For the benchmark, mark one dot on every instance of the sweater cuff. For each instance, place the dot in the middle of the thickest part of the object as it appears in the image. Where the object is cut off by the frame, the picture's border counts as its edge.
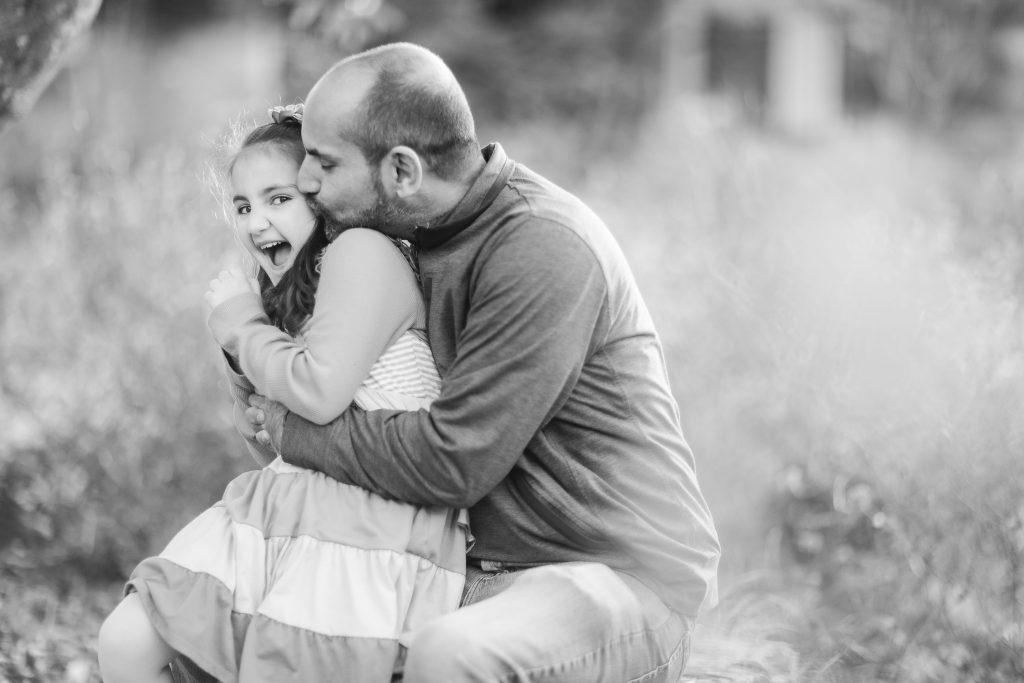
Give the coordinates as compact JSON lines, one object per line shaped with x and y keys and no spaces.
{"x":298,"y":437}
{"x":239,"y":386}
{"x":227,"y":319}
{"x":232,"y":368}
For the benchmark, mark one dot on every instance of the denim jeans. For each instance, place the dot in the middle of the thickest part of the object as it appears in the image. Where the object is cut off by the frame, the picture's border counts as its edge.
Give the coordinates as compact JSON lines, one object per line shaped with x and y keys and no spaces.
{"x":574,"y":622}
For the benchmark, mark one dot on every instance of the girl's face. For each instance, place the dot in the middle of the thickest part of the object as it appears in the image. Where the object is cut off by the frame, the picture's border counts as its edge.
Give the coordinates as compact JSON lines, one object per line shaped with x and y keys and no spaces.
{"x":272,"y":219}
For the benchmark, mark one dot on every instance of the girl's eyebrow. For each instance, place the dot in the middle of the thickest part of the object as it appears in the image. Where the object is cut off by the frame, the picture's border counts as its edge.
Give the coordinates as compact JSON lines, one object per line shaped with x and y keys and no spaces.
{"x":277,"y":188}
{"x":269,"y":190}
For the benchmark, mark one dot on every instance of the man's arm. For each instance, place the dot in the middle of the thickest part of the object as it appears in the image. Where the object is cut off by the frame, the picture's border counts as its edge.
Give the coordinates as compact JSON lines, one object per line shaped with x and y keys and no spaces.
{"x":536,"y":306}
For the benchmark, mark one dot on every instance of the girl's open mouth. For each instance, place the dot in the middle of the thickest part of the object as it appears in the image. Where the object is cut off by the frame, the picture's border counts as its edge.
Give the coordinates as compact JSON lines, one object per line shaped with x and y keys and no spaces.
{"x":277,"y":252}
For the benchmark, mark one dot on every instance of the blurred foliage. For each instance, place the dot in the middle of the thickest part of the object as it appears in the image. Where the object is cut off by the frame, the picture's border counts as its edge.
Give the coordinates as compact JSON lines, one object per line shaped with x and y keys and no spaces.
{"x":841,"y":323}
{"x":48,"y":626}
{"x":932,"y":59}
{"x":33,"y":38}
{"x":110,"y":414}
{"x":929,"y":60}
{"x":596,"y":60}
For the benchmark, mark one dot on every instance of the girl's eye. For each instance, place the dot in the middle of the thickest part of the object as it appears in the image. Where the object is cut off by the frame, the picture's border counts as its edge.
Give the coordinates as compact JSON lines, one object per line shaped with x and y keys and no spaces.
{"x":279,"y":199}
{"x":243,"y":209}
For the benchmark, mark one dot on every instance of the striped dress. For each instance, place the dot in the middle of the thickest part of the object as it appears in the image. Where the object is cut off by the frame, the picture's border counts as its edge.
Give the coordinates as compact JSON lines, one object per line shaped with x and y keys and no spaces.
{"x":294,"y":576}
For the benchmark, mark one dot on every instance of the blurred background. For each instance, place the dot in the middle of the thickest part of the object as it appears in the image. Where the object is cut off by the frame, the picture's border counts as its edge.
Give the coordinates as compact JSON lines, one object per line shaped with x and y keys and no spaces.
{"x":822,"y":202}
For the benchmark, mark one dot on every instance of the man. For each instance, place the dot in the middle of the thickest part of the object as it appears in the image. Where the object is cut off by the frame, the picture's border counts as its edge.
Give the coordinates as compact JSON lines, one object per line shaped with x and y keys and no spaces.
{"x":555,"y":425}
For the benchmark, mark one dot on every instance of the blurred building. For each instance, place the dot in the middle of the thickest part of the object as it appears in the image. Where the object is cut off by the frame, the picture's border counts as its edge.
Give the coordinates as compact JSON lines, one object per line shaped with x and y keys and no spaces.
{"x":802,"y":66}
{"x":782,"y":61}
{"x":1010,"y":46}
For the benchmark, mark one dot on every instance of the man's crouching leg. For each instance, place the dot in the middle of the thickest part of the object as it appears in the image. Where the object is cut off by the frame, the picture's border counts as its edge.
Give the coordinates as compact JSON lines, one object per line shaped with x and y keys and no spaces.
{"x":572,"y":622}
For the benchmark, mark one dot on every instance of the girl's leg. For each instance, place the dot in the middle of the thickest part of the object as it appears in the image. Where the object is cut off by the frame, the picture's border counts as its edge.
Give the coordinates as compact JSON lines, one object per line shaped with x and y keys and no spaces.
{"x":130,"y":650}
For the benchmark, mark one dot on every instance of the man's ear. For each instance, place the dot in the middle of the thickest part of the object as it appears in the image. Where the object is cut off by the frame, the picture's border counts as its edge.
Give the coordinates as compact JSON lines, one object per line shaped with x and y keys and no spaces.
{"x":402,"y":172}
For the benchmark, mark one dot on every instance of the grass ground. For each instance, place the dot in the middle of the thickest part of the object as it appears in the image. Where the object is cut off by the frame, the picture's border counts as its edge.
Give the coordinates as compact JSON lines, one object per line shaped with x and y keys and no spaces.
{"x":48,"y":628}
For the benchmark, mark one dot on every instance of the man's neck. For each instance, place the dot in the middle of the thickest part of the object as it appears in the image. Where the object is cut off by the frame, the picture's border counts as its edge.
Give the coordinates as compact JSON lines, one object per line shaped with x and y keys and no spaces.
{"x":447,"y":194}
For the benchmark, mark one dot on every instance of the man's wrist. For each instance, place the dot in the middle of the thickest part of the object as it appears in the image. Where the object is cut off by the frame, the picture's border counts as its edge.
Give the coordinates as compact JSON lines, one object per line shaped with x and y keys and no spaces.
{"x":292,"y":441}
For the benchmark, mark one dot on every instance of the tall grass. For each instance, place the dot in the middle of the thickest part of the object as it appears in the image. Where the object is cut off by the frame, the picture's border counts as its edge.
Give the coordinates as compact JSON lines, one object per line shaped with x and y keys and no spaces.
{"x":843,"y":325}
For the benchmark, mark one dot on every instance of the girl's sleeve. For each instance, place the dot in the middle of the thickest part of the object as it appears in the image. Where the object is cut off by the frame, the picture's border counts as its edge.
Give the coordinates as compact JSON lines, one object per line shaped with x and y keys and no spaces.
{"x":367,"y":296}
{"x":240,"y":389}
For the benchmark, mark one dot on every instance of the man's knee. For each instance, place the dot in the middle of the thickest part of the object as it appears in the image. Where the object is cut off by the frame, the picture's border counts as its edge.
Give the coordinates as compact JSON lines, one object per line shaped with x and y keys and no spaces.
{"x":446,"y":650}
{"x":590,"y":588}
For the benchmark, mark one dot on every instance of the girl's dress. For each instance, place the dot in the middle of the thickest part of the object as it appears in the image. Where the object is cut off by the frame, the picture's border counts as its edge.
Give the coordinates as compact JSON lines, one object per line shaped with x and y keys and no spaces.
{"x":296,"y":576}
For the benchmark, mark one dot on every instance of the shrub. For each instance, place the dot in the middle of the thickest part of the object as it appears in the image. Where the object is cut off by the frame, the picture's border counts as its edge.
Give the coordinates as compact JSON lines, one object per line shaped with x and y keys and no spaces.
{"x":116,"y":429}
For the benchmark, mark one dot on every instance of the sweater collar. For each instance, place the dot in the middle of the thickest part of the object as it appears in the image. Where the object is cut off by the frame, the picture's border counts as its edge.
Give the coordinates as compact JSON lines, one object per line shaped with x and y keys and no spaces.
{"x":480,"y":196}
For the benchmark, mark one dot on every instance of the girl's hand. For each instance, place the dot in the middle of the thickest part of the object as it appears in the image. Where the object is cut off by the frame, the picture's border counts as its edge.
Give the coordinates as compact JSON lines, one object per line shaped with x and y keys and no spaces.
{"x":228,"y":284}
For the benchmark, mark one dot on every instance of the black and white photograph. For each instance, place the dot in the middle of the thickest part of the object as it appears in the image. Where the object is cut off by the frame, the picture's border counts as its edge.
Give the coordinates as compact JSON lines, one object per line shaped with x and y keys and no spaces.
{"x":512,"y":341}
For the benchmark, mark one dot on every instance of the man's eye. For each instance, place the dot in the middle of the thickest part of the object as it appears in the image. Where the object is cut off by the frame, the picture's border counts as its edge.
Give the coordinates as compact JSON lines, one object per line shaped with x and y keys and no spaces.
{"x":326,"y":166}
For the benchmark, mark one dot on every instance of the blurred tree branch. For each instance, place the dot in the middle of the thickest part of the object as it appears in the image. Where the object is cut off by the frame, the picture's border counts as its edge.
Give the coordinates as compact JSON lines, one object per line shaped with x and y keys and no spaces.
{"x":34,"y":36}
{"x":352,"y":25}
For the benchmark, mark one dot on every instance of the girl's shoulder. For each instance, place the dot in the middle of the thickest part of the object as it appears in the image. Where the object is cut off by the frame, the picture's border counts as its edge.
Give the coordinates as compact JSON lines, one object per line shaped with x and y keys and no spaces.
{"x":369,"y":263}
{"x":362,"y":238}
{"x":365,"y":247}
{"x":368,"y":257}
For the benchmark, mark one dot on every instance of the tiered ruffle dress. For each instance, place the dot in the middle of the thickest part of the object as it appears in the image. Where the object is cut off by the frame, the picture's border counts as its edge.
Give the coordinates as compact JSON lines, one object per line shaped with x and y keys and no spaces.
{"x":294,"y":576}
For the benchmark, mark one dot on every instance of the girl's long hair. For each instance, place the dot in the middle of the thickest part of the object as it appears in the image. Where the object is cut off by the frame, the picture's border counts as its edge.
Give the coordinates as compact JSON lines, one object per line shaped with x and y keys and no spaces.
{"x":290,"y":302}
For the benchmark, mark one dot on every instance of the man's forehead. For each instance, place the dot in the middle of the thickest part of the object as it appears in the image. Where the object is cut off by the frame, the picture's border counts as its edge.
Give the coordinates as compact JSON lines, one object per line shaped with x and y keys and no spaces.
{"x":315,"y":129}
{"x":321,"y":128}
{"x":340,"y":90}
{"x":325,"y":119}
{"x":325,"y":138}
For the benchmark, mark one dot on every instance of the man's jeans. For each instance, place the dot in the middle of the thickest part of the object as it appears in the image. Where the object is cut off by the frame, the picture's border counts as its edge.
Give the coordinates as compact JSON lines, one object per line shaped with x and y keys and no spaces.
{"x":574,"y":622}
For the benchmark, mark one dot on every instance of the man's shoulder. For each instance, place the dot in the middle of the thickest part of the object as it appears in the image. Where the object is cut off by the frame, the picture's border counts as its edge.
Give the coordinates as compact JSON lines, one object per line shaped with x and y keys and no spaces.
{"x":533,"y":200}
{"x":541,"y":219}
{"x":538,"y":191}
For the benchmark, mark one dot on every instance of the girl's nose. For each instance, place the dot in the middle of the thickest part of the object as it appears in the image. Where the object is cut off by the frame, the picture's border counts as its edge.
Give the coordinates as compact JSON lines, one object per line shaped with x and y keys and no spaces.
{"x":258,"y":222}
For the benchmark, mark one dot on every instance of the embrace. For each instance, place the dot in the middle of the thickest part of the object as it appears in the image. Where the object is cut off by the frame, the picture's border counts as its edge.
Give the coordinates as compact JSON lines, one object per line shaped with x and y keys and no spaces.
{"x":472,"y":467}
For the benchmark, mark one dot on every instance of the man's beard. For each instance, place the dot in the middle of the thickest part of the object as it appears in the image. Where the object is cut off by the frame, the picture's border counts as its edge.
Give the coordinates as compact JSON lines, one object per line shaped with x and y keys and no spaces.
{"x":384,"y":216}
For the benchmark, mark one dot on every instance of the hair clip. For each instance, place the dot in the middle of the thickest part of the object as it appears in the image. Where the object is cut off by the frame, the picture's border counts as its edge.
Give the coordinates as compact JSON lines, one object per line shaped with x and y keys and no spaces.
{"x":286,"y":112}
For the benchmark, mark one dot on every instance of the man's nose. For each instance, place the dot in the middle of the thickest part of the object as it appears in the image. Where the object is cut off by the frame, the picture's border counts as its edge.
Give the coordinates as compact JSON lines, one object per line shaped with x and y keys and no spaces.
{"x":307,"y":182}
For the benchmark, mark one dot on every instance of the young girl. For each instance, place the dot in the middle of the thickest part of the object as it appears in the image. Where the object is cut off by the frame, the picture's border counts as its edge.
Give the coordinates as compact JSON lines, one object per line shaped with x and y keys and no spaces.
{"x":294,"y":576}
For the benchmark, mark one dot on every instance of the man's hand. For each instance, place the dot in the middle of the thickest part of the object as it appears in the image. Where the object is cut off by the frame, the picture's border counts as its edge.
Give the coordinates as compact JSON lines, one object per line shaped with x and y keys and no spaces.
{"x":267,"y":420}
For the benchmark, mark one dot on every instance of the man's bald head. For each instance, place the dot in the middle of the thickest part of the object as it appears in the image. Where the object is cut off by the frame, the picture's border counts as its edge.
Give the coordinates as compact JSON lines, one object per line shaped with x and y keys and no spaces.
{"x":400,"y":94}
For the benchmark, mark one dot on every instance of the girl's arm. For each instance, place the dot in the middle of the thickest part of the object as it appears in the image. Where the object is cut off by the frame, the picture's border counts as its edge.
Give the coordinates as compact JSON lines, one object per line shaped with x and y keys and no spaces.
{"x":367,"y":296}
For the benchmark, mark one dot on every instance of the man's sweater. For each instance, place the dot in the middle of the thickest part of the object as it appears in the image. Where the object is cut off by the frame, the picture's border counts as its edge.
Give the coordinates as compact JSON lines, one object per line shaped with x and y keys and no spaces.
{"x":555,"y":424}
